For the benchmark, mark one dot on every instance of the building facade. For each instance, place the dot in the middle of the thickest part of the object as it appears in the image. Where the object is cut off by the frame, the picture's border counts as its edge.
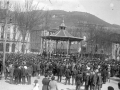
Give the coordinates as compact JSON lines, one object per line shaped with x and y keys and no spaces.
{"x":116,"y":51}
{"x":38,"y":44}
{"x":14,"y":39}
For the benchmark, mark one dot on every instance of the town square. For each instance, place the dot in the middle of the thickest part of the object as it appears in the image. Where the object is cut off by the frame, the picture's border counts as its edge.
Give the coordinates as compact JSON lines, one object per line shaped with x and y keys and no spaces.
{"x":59,"y":45}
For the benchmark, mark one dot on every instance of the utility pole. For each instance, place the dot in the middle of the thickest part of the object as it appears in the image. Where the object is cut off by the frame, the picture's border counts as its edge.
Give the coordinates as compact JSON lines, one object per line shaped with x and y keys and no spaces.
{"x":4,"y":43}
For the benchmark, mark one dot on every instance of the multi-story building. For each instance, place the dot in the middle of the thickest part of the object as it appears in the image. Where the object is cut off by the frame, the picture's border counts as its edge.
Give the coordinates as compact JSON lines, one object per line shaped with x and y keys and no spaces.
{"x":37,"y":43}
{"x":115,"y":51}
{"x":14,"y":41}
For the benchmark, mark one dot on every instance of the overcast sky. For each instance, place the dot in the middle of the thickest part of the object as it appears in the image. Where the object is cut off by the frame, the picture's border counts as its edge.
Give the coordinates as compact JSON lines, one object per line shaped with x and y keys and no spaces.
{"x":108,"y":10}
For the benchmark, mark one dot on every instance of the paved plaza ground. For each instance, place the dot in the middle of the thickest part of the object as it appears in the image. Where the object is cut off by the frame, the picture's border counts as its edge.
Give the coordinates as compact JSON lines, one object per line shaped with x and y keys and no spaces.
{"x":4,"y":85}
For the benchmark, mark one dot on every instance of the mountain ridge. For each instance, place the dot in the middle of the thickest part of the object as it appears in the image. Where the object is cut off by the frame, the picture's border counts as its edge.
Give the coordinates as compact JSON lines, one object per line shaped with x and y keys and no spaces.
{"x":73,"y":17}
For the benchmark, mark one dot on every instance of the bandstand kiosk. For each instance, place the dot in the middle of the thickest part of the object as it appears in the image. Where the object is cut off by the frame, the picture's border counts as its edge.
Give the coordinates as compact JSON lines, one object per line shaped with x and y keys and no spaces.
{"x":62,"y":35}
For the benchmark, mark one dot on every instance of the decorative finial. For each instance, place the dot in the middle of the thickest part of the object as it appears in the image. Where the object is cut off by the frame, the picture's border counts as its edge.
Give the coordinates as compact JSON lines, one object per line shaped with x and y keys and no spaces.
{"x":62,"y":26}
{"x":63,"y":20}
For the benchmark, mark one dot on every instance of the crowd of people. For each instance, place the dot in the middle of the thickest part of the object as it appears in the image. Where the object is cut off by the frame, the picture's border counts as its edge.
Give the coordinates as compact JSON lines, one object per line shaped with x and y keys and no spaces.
{"x":83,"y":71}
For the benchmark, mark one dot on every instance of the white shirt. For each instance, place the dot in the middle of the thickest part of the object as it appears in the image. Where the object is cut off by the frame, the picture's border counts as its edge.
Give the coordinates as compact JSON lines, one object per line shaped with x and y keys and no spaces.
{"x":36,"y":87}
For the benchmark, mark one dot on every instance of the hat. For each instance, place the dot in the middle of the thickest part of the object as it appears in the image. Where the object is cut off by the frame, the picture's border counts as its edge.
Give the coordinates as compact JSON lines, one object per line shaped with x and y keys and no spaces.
{"x":25,"y":67}
{"x":88,"y":68}
{"x":52,"y":78}
{"x":46,"y":75}
{"x":36,"y":81}
{"x":110,"y":88}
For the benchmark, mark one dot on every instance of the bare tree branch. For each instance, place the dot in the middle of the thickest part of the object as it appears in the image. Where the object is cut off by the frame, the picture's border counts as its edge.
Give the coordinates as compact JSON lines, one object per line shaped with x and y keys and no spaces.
{"x":27,"y":16}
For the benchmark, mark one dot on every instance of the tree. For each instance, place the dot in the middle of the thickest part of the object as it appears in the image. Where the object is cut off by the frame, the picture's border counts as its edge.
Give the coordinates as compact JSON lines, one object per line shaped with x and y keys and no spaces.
{"x":27,"y":17}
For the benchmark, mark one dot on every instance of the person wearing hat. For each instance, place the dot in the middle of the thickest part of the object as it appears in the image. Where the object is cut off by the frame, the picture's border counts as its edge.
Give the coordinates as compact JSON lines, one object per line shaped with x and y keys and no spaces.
{"x":74,"y":74}
{"x":60,"y":72}
{"x":23,"y":73}
{"x":38,"y":68}
{"x":20,"y":73}
{"x":104,"y":75}
{"x":36,"y":85}
{"x":29,"y":73}
{"x":79,"y":80}
{"x":45,"y":82}
{"x":53,"y":84}
{"x":93,"y":80}
{"x":87,"y":81}
{"x":99,"y":81}
{"x":67,"y":75}
{"x":16,"y":74}
{"x":34,"y":69}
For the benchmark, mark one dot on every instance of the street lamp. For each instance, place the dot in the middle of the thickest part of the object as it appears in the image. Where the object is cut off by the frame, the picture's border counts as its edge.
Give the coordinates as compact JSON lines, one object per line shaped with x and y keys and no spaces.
{"x":4,"y":33}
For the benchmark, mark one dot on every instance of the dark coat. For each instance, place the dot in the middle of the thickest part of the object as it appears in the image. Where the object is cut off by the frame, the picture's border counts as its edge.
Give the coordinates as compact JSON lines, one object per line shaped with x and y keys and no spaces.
{"x":93,"y":79}
{"x":60,"y":71}
{"x":20,"y":72}
{"x":45,"y":83}
{"x":74,"y":73}
{"x":84,"y":75}
{"x":79,"y":79}
{"x":42,"y":66}
{"x":38,"y":66}
{"x":68,"y":73}
{"x":34,"y":67}
{"x":99,"y":80}
{"x":23,"y":72}
{"x":104,"y":73}
{"x":29,"y":71}
{"x":11,"y":70}
{"x":87,"y":80}
{"x":16,"y":72}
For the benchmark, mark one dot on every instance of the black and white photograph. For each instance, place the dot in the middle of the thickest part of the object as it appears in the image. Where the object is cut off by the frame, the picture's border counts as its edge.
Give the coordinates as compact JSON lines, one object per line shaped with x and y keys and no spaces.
{"x":59,"y":44}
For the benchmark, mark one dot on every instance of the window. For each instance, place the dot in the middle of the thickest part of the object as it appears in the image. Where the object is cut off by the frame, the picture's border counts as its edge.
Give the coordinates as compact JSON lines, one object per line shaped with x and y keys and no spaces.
{"x":14,"y":35}
{"x":8,"y":35}
{"x":2,"y":33}
{"x":23,"y":48}
{"x":1,"y":46}
{"x":13,"y":47}
{"x":7,"y":47}
{"x":14,"y":30}
{"x":2,"y":36}
{"x":2,"y":28}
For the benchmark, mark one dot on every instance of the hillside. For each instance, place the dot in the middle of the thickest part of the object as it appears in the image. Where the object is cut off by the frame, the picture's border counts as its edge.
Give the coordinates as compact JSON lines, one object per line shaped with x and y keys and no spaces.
{"x":72,"y":19}
{"x":54,"y":19}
